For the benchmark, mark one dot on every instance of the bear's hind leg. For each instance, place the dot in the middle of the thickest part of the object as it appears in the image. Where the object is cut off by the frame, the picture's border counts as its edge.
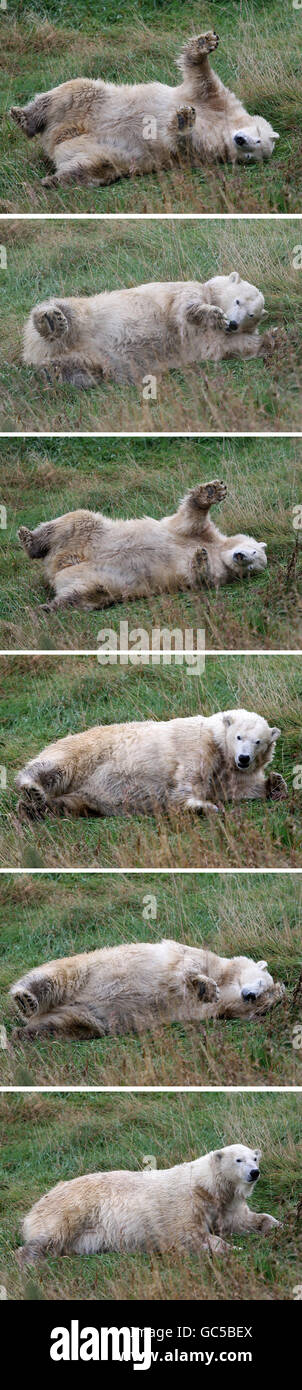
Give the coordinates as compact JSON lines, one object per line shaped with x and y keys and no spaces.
{"x":33,"y":117}
{"x":82,"y":160}
{"x":32,"y":804}
{"x":77,"y":586}
{"x":36,"y":543}
{"x":26,"y":1002}
{"x":29,"y":1254}
{"x":51,"y":322}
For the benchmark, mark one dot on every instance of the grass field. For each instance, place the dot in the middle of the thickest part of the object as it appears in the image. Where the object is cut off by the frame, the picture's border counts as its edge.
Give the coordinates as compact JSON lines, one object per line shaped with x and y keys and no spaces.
{"x":59,"y":258}
{"x":45,"y":42}
{"x":49,"y":1138}
{"x":43,"y":479}
{"x":237,"y":915}
{"x":44,"y":698}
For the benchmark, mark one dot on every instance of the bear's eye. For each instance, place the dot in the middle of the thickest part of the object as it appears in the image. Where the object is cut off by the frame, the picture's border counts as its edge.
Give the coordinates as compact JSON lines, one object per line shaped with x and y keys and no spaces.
{"x":238,"y":1160}
{"x":237,"y":301}
{"x":257,"y":742}
{"x":239,"y":736}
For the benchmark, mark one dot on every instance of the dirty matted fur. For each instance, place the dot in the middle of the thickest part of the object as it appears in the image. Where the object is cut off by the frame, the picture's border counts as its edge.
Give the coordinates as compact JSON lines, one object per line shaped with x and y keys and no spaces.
{"x":130,"y":334}
{"x":150,"y":766}
{"x":134,"y":987}
{"x":95,"y":132}
{"x":91,"y":561}
{"x":192,"y":1206}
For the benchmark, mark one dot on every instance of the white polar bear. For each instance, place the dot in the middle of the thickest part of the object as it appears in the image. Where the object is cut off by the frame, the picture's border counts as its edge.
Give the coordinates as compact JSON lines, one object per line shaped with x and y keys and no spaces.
{"x":148,"y":329}
{"x":95,"y":132}
{"x":137,"y":986}
{"x":189,"y":1207}
{"x":91,"y":561}
{"x":154,"y":766}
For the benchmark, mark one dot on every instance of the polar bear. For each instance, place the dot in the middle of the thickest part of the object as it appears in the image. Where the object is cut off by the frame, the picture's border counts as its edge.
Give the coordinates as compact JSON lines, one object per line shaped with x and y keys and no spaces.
{"x":126,"y":334}
{"x":134,"y":987}
{"x":91,"y":561}
{"x":192,"y":1206}
{"x":95,"y":132}
{"x":152,"y":766}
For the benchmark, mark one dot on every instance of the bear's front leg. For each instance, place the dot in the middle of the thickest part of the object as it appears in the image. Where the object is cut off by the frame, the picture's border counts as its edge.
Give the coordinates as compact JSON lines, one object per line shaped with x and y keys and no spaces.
{"x":215,"y":1245}
{"x":200,"y":574}
{"x":276,"y":788}
{"x":193,"y":803}
{"x":206,"y":316}
{"x":206,"y":989}
{"x":261,"y":1221}
{"x":250,"y":344}
{"x":243,"y":1219}
{"x":182,"y":121}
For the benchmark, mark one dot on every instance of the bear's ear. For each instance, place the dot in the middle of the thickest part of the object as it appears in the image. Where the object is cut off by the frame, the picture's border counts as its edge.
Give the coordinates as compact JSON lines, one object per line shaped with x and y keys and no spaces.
{"x":275,"y":135}
{"x":218,"y":1155}
{"x":234,"y":277}
{"x":262,"y":964}
{"x":275,"y":733}
{"x":263,"y":545}
{"x":227,"y":720}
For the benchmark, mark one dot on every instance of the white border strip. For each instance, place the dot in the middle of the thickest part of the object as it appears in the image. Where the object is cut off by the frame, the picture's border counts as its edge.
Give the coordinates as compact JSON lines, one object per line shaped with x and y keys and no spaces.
{"x":121,"y":1090}
{"x":178,"y":870}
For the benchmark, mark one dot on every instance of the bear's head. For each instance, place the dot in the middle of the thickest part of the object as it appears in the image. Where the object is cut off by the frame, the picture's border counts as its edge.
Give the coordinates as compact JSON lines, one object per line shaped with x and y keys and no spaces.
{"x":256,"y":140}
{"x":244,"y":556}
{"x":242,"y":303}
{"x":249,"y":742}
{"x":237,"y":1166}
{"x":245,"y":984}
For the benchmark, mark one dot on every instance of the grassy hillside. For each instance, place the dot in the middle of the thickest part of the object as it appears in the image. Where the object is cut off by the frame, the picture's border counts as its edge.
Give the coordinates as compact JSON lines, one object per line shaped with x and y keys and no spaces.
{"x":44,"y":698}
{"x":131,"y":477}
{"x":45,"y":42}
{"x":51,"y":258}
{"x":237,"y":915}
{"x":48,"y":1138}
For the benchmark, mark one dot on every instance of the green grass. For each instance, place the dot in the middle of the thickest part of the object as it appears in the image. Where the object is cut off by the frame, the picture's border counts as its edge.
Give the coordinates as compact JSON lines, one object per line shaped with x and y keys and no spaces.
{"x":130,"y":477}
{"x":59,"y":258}
{"x":45,"y":42}
{"x":49,"y":1138}
{"x":44,"y":698}
{"x":237,"y":915}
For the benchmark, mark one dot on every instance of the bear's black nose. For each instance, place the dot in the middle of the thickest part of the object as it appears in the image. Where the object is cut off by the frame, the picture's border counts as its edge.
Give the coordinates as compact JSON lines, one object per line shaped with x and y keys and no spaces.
{"x":254,"y":1174}
{"x":243,"y":760}
{"x":240,"y":140}
{"x":232,"y":326}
